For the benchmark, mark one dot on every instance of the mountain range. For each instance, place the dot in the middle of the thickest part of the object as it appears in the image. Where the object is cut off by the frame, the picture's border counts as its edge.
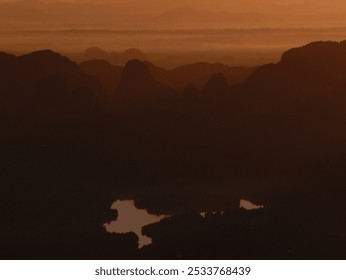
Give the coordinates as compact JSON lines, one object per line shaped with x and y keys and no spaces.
{"x":198,"y":138}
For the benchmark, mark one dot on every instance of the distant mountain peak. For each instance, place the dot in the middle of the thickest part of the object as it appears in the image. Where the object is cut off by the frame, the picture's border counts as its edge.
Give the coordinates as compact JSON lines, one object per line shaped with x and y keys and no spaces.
{"x":216,"y":83}
{"x":315,"y":52}
{"x":47,"y":57}
{"x":46,"y":52}
{"x":136,"y":77}
{"x":137,"y":71}
{"x":6,"y":56}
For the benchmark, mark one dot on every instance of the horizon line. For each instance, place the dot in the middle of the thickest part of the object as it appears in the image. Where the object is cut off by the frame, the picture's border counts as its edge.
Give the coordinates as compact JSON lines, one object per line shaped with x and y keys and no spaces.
{"x":150,"y":30}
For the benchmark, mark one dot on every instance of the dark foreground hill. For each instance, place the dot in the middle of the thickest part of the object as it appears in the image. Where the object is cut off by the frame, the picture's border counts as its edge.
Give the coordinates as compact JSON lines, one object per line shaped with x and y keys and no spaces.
{"x":71,"y":144}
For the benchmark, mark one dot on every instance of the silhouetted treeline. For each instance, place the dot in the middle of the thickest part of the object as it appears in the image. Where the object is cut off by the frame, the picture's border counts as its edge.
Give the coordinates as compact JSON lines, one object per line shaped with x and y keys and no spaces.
{"x":74,"y":138}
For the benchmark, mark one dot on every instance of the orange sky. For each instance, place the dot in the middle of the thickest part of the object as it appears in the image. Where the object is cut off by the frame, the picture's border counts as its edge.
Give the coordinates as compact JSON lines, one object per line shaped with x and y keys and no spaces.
{"x":235,"y":5}
{"x":119,"y":15}
{"x":166,"y":14}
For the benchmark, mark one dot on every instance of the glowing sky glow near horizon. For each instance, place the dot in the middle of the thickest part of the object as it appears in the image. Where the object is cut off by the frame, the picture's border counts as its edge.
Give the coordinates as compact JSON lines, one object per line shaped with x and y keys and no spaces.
{"x":167,"y":15}
{"x":145,"y":6}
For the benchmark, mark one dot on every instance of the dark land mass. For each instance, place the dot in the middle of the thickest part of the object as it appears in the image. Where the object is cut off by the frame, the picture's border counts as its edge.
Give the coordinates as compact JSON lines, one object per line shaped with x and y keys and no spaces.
{"x":75,"y":138}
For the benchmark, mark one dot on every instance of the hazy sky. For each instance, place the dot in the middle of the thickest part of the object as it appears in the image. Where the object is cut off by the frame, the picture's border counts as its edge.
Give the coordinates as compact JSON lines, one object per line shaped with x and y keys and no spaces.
{"x":238,"y":5}
{"x":177,"y":14}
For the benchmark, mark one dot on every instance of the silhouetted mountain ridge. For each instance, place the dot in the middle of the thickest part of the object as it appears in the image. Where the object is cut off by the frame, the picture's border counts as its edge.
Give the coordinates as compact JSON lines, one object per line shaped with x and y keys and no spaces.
{"x":277,"y":139}
{"x":216,"y":84}
{"x":117,"y":58}
{"x":41,"y":82}
{"x":139,"y":87}
{"x":178,"y":78}
{"x":109,"y":75}
{"x":316,"y":66}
